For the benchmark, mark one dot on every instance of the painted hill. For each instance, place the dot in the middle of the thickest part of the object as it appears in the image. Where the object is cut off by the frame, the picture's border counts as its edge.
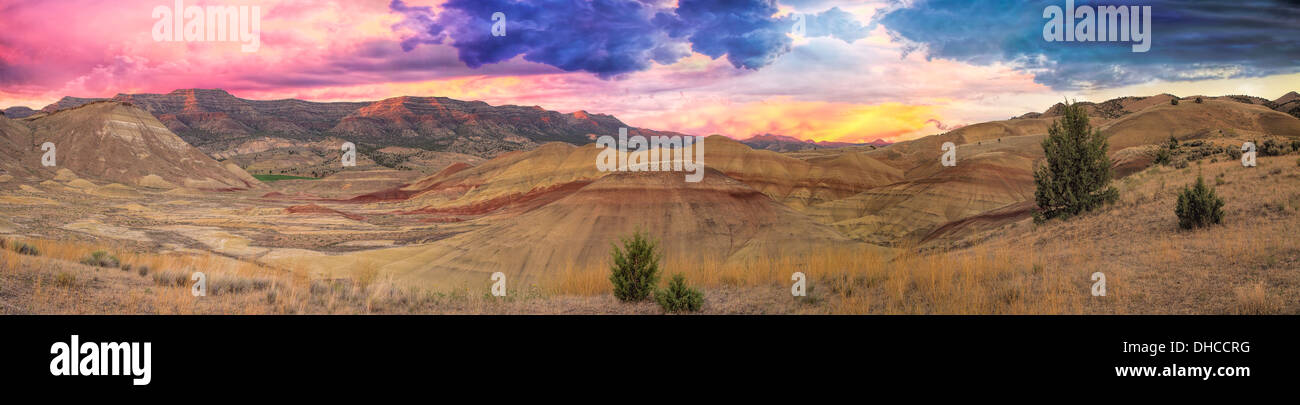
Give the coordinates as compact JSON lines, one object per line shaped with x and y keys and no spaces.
{"x":887,"y":196}
{"x":519,"y":177}
{"x":992,"y":184}
{"x":115,"y":142}
{"x":548,"y":209}
{"x":718,"y":219}
{"x":1193,"y":120}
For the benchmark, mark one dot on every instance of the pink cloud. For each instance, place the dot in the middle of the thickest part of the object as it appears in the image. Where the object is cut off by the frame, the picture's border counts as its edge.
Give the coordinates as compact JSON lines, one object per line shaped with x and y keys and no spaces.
{"x":322,"y":50}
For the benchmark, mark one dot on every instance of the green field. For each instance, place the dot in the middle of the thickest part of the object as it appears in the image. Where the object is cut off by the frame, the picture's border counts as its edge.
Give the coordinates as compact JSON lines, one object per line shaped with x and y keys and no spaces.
{"x":278,"y":177}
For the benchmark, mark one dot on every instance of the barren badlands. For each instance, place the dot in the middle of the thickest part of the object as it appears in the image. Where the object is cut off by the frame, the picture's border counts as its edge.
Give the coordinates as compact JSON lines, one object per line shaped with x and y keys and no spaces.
{"x":445,"y":193}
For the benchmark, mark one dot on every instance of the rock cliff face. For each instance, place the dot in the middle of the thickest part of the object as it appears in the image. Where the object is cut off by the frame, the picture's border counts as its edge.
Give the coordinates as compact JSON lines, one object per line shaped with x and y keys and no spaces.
{"x":214,"y":120}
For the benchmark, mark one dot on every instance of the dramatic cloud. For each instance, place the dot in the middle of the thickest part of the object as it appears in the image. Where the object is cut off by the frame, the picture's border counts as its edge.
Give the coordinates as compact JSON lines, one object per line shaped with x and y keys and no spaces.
{"x":836,"y":23}
{"x":1192,"y":40}
{"x":614,"y":37}
{"x":733,"y":67}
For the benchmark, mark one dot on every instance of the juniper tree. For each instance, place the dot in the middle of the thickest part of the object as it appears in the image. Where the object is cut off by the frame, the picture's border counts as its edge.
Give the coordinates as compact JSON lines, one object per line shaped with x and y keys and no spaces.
{"x":635,"y":268}
{"x":679,"y":297}
{"x":1077,"y":173}
{"x":1198,"y":206}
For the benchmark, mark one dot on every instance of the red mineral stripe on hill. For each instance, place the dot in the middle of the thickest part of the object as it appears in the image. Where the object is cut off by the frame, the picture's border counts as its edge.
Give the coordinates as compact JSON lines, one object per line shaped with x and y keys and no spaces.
{"x":316,"y":209}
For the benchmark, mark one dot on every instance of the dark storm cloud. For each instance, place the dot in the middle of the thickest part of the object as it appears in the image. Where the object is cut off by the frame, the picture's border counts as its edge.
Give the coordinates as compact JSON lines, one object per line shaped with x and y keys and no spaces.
{"x":1192,"y":40}
{"x":613,"y":37}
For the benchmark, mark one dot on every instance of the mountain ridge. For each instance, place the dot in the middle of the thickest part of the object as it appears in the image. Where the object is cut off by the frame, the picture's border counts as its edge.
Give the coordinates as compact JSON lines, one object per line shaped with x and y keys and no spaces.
{"x":1288,"y":103}
{"x":213,"y":119}
{"x":786,"y":143}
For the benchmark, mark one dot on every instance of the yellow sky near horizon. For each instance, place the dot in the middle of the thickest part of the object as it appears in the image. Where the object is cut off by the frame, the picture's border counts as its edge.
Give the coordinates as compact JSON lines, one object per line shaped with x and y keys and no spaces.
{"x":825,"y":121}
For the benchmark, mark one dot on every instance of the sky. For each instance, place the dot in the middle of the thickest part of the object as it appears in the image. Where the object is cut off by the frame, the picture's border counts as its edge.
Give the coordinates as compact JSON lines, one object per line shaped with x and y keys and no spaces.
{"x":822,"y":70}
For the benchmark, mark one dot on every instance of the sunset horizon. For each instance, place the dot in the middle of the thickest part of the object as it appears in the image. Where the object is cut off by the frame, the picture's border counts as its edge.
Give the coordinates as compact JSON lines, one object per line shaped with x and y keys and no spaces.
{"x":306,"y":196}
{"x":856,"y":72}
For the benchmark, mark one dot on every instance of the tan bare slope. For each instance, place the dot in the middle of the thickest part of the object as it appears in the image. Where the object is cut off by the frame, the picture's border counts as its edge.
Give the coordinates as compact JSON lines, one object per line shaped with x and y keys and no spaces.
{"x":992,"y":184}
{"x":15,"y":145}
{"x":718,"y":219}
{"x":1189,"y":120}
{"x":541,"y":212}
{"x":897,"y":194}
{"x":517,"y":176}
{"x":119,"y":143}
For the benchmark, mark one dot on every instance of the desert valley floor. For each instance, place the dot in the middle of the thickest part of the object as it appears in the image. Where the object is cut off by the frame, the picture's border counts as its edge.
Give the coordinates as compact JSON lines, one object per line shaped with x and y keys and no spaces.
{"x":278,"y":227}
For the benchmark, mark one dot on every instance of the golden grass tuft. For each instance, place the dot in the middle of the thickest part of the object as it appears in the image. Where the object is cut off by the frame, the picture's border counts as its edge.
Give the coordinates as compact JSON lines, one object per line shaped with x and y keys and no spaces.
{"x":854,"y":281}
{"x":1255,"y":299}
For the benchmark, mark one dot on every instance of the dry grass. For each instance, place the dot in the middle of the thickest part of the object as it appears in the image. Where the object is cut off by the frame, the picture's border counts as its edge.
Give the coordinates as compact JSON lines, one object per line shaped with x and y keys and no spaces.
{"x":1256,"y":300}
{"x":1248,"y":265}
{"x":161,"y":284}
{"x":978,"y":281}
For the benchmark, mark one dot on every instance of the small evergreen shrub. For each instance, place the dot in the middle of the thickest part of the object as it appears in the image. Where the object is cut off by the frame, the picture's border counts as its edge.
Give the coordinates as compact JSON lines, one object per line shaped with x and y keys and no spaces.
{"x":1173,"y":101}
{"x":218,"y":285}
{"x":635,"y":269}
{"x":1198,"y":206}
{"x":1162,"y":156}
{"x":100,"y":258}
{"x":171,"y":278}
{"x":679,"y":297}
{"x":26,"y":249}
{"x":1272,"y":148}
{"x":1198,"y":100}
{"x":1235,"y":153}
{"x":65,"y":279}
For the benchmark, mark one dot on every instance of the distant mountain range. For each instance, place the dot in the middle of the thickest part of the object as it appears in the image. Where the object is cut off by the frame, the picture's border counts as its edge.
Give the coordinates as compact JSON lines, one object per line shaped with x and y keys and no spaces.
{"x":215,"y":120}
{"x":529,"y":213}
{"x":783,"y":143}
{"x":1289,"y":103}
{"x":17,"y":112}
